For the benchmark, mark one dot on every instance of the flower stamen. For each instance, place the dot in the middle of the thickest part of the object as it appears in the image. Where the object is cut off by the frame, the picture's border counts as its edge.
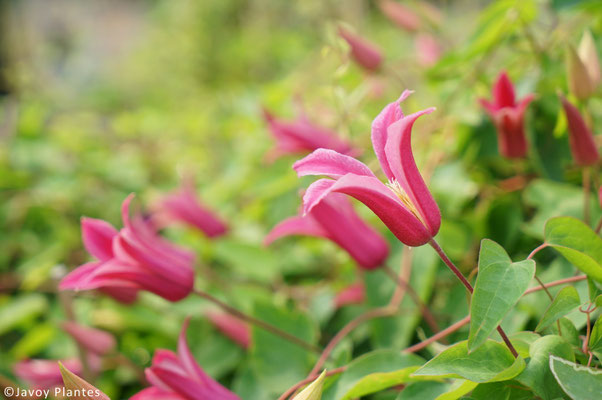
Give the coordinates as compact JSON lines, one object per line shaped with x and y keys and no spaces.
{"x":396,"y":188}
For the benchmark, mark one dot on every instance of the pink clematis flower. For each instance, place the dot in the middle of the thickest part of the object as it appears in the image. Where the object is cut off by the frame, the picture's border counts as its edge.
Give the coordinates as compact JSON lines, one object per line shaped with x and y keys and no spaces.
{"x":46,"y":374}
{"x":333,"y":218}
{"x":302,"y":136}
{"x":400,"y":15}
{"x":184,"y":206}
{"x":404,"y":204}
{"x":508,"y":117}
{"x":581,"y":139}
{"x":133,"y":259}
{"x":428,"y":49}
{"x":352,"y":294}
{"x":179,"y":377}
{"x":94,"y":340}
{"x":366,"y":54}
{"x":231,"y":327}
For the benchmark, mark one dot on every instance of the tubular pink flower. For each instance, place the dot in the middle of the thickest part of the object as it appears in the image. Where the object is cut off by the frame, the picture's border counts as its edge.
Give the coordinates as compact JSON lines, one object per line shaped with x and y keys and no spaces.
{"x":231,"y":327}
{"x":400,"y":15}
{"x":581,"y":139}
{"x":184,"y":206}
{"x":46,"y":374}
{"x":334,"y":219}
{"x":352,"y":294}
{"x":366,"y":54}
{"x":178,"y":376}
{"x":302,"y":136}
{"x":94,"y":340}
{"x":428,"y":49}
{"x":139,"y":260}
{"x":404,"y":204}
{"x":508,"y":117}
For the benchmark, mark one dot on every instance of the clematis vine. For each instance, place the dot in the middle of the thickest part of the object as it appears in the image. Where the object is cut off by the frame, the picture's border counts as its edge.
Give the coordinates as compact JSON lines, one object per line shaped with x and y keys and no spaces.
{"x":404,"y":203}
{"x":232,"y":327}
{"x":334,"y":218}
{"x":302,"y":136}
{"x":363,"y":52}
{"x":508,"y":116}
{"x":130,"y":260}
{"x":179,"y":377}
{"x":581,"y":139}
{"x":184,"y":206}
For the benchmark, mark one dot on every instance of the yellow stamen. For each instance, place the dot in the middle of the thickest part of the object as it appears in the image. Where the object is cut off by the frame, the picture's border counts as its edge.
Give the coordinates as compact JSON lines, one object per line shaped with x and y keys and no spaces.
{"x":396,"y":188}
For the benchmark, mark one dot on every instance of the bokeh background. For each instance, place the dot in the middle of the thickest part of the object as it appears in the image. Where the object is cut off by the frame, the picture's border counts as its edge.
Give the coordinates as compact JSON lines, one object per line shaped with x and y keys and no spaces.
{"x":99,"y":99}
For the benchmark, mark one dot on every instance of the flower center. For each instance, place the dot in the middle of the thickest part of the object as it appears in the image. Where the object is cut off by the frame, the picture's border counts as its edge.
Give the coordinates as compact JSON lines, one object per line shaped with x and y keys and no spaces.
{"x":396,"y":188}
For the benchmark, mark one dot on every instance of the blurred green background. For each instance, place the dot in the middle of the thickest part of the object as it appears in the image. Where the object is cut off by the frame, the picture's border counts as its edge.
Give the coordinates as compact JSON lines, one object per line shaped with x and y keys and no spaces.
{"x":101,"y":99}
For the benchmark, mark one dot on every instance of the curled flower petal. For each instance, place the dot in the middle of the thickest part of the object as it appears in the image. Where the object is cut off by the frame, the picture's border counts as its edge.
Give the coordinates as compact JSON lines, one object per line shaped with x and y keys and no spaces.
{"x":330,"y":163}
{"x":98,"y":236}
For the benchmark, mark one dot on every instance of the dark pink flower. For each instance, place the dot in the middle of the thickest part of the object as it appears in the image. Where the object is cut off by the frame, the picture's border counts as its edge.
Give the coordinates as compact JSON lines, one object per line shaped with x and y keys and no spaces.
{"x":178,"y":376}
{"x":352,"y":294}
{"x":400,"y":15}
{"x":363,"y":52}
{"x":94,"y":340}
{"x":508,"y":117}
{"x":133,"y":259}
{"x":184,"y":206}
{"x":428,"y":49}
{"x":404,"y":204}
{"x":333,"y":218}
{"x":581,"y":139}
{"x":302,"y":136}
{"x":232,"y":327}
{"x":46,"y":374}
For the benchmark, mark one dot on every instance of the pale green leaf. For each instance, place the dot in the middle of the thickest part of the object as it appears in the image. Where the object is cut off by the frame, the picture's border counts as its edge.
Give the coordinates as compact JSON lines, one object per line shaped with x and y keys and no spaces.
{"x":500,"y":284}
{"x":457,"y":390}
{"x":565,"y":301}
{"x":578,"y":381}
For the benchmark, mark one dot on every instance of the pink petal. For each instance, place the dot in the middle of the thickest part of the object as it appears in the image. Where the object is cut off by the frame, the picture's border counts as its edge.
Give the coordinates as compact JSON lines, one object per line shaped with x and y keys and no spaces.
{"x":400,"y":15}
{"x":352,"y":294}
{"x":97,"y":236}
{"x":153,"y":393}
{"x":390,"y":114}
{"x":503,"y":91}
{"x":330,"y":163}
{"x":232,"y":327}
{"x":363,"y":52}
{"x":581,"y":139}
{"x":380,"y":199}
{"x":402,"y":164}
{"x":94,"y":340}
{"x":296,"y":225}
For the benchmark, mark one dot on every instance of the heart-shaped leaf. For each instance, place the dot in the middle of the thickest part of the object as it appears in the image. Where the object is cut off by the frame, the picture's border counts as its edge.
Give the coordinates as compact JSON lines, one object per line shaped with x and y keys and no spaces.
{"x":500,"y":284}
{"x":490,"y":362}
{"x":578,"y":381}
{"x":580,"y":245}
{"x":565,"y":301}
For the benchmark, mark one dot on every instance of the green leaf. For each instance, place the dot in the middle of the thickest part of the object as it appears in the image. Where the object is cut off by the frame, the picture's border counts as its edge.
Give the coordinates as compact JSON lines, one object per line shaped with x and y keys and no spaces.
{"x":458,"y":389}
{"x":565,"y":301}
{"x":314,"y":390}
{"x":595,"y":339}
{"x":537,"y":375}
{"x":21,"y":309}
{"x":578,"y":381}
{"x":509,"y":390}
{"x":577,"y":243}
{"x":376,"y":371}
{"x":500,"y":284}
{"x":491,"y":362}
{"x":424,"y":390}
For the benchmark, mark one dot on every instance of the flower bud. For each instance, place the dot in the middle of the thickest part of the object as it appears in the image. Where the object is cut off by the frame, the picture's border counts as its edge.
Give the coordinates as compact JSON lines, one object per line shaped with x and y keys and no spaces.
{"x":580,"y":83}
{"x":79,"y":389}
{"x":314,"y":390}
{"x":589,"y":57}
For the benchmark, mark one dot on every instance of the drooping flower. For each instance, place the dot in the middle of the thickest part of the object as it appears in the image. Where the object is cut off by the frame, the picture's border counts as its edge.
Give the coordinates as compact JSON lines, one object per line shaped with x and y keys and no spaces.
{"x":302,"y":136}
{"x":133,"y":259}
{"x":428,"y":49}
{"x":333,"y":218}
{"x":508,"y":116}
{"x":231,"y":327}
{"x":352,"y":294}
{"x":400,"y":15}
{"x":184,"y":206}
{"x":93,"y":340}
{"x":46,"y":374}
{"x":404,"y":204}
{"x":581,"y":139}
{"x":363,"y":52}
{"x":178,"y":377}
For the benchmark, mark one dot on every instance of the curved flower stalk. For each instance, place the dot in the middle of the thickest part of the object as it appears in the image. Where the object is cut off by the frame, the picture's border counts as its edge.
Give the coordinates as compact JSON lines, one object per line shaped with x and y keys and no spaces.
{"x":178,"y":377}
{"x":334,"y":218}
{"x":363,"y":52}
{"x":133,"y":259}
{"x":508,"y":115}
{"x":184,"y":206}
{"x":93,"y":340}
{"x":302,"y":136}
{"x":404,"y":203}
{"x":581,"y":139}
{"x":46,"y":374}
{"x":232,"y":327}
